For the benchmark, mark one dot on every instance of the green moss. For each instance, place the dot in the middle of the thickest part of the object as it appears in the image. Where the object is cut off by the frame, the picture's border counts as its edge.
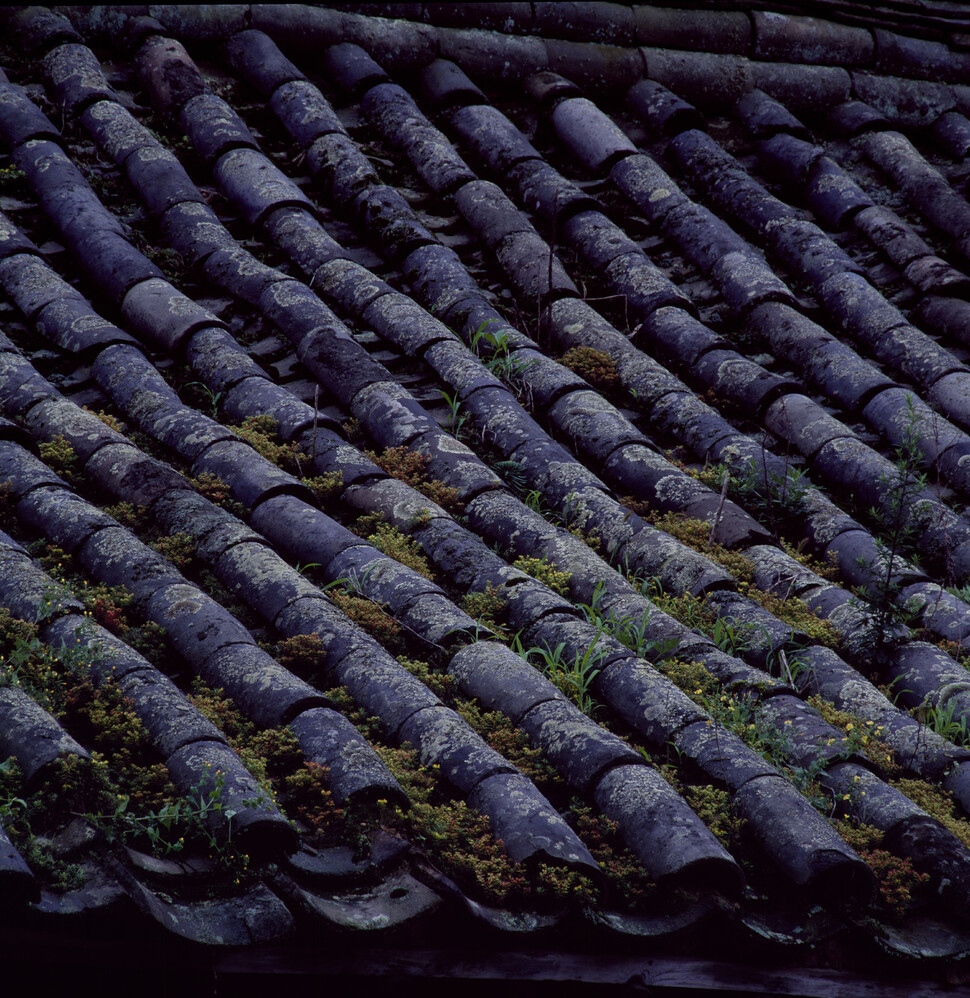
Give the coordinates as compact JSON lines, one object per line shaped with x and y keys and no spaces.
{"x":303,"y":654}
{"x":219,"y":709}
{"x":260,"y":432}
{"x":695,"y":534}
{"x":31,"y":665}
{"x":326,"y":488}
{"x":440,"y":683}
{"x":149,"y":640}
{"x":542,"y":571}
{"x":178,"y":548}
{"x":308,"y":792}
{"x":108,"y":605}
{"x":371,"y":616}
{"x":367,"y":523}
{"x":268,"y":753}
{"x":59,"y":873}
{"x":411,"y":466}
{"x":13,"y":180}
{"x":898,"y":883}
{"x":488,"y":608}
{"x":392,"y":542}
{"x":169,"y":261}
{"x":512,"y":743}
{"x":739,"y":715}
{"x":789,"y":609}
{"x":127,"y":515}
{"x":713,"y":807}
{"x":628,"y":884}
{"x":459,"y":840}
{"x":595,"y":366}
{"x":52,"y":559}
{"x":355,"y":432}
{"x":112,"y":422}
{"x":216,"y":491}
{"x":692,"y":677}
{"x":861,"y":735}
{"x":799,"y":615}
{"x":367,"y":724}
{"x":71,"y":786}
{"x":824,"y":569}
{"x":938,"y":803}
{"x":711,"y":804}
{"x":59,"y":455}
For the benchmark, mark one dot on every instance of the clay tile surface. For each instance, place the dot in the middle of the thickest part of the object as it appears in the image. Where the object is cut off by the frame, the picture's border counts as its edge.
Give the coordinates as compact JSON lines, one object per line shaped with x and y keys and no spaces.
{"x":485,"y":497}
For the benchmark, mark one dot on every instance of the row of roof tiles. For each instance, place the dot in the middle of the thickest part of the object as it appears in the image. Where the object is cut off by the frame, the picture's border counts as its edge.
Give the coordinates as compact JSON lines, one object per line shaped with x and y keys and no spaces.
{"x":263,"y":195}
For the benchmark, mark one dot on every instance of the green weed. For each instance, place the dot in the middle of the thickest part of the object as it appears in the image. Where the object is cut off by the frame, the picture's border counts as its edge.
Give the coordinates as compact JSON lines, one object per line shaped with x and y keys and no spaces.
{"x":573,"y":675}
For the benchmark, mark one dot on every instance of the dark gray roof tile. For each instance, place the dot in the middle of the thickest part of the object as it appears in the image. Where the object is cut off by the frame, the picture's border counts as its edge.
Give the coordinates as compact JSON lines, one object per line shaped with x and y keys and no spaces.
{"x":304,"y":111}
{"x":245,"y":812}
{"x":442,"y":737}
{"x":764,"y":116}
{"x":702,"y":30}
{"x":906,"y":103}
{"x":194,"y":231}
{"x":32,"y":736}
{"x":808,"y":90}
{"x":356,"y":771}
{"x":264,"y":691}
{"x":854,"y":117}
{"x":596,"y":141}
{"x":712,"y":81}
{"x":257,"y":54}
{"x":801,"y":842}
{"x":486,"y":55}
{"x":664,"y":833}
{"x":529,"y":828}
{"x":38,"y":29}
{"x":126,"y":472}
{"x":662,"y":110}
{"x":785,"y":38}
{"x":169,"y":74}
{"x":214,"y":127}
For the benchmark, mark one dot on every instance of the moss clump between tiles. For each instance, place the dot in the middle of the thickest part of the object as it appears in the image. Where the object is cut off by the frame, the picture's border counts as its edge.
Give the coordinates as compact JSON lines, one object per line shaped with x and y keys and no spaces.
{"x":411,"y":467}
{"x":213,"y":488}
{"x":393,"y":542}
{"x":544,"y":572}
{"x":595,"y":366}
{"x":261,"y":433}
{"x":900,"y":886}
{"x":488,"y":607}
{"x":790,"y":609}
{"x":372,"y":617}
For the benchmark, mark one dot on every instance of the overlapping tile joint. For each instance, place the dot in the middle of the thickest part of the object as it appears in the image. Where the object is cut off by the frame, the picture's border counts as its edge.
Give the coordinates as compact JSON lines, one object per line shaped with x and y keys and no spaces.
{"x":556,"y":413}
